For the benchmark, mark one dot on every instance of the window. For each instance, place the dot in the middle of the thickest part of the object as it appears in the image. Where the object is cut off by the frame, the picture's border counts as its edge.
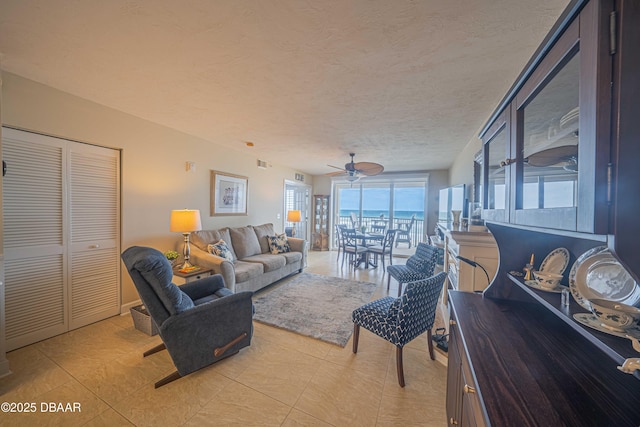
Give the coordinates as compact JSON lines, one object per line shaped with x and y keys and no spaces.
{"x":389,"y":201}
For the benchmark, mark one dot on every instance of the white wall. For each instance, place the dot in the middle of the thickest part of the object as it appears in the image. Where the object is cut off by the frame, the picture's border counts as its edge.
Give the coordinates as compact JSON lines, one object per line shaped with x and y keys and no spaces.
{"x":461,"y":172}
{"x":154,"y":177}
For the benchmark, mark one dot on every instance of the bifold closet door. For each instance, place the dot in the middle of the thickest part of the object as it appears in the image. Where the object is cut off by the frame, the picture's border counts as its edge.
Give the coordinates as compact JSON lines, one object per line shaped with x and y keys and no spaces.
{"x":94,"y":252}
{"x":34,"y":195}
{"x":61,"y":235}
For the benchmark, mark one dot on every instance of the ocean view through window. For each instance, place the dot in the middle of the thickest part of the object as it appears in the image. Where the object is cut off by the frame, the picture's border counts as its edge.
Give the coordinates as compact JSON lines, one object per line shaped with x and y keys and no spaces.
{"x":375,"y":201}
{"x":382,"y":202}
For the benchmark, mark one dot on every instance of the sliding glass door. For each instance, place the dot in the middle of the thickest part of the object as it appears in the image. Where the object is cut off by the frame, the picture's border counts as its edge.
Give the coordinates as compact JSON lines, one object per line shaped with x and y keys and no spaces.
{"x":379,"y":204}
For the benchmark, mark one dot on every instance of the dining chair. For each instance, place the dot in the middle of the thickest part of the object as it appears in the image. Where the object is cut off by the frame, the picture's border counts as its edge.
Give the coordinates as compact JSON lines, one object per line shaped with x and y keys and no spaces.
{"x":354,"y":220}
{"x":419,"y":266}
{"x":404,"y":231}
{"x":340,"y":240}
{"x":401,"y":320}
{"x":384,"y":248}
{"x":379,"y":226}
{"x":352,"y":247}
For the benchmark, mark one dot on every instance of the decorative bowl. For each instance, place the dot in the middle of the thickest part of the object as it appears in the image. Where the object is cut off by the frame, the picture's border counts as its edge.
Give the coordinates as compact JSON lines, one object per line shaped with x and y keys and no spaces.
{"x":547,"y":280}
{"x":615,"y":315}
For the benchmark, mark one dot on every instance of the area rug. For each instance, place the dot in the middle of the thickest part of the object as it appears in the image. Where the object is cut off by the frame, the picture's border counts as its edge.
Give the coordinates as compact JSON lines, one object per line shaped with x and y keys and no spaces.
{"x":314,"y":305}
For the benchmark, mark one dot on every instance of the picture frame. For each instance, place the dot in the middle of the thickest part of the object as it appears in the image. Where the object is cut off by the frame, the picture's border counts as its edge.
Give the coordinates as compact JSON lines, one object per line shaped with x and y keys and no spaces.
{"x":229,"y":194}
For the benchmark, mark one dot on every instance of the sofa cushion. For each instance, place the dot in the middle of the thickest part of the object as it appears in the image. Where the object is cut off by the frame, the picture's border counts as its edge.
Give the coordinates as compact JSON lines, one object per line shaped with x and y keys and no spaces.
{"x":247,"y":270}
{"x":278,"y":244}
{"x":156,"y":270}
{"x":245,"y":241}
{"x":221,"y":249}
{"x":292,"y":257}
{"x":269,"y":261}
{"x":262,"y":231}
{"x":203,"y":238}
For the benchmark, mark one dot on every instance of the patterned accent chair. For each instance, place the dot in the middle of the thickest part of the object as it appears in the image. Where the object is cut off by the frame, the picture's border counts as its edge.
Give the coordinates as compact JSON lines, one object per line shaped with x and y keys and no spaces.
{"x":200,"y":322}
{"x":419,"y":266}
{"x":400,"y":320}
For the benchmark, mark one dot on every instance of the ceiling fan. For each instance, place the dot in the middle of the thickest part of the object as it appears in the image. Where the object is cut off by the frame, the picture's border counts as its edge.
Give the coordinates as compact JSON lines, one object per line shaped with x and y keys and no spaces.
{"x":355,"y":171}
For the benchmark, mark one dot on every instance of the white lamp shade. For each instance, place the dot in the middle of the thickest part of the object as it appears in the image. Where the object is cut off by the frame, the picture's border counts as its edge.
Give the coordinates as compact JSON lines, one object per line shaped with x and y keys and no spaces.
{"x":185,"y":221}
{"x":293,"y":216}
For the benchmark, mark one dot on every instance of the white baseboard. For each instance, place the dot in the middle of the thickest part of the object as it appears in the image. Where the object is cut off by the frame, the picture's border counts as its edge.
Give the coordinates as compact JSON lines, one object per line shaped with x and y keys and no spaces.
{"x":4,"y":368}
{"x":124,"y":308}
{"x":440,"y":356}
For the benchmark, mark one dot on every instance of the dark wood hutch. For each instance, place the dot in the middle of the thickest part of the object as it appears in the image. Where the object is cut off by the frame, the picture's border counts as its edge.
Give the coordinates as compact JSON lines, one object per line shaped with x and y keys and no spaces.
{"x":559,"y":169}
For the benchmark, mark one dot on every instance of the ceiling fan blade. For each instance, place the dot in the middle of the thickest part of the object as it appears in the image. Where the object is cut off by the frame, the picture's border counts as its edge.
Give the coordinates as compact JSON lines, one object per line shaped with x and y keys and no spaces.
{"x":369,"y":168}
{"x":552,"y":156}
{"x":336,"y":167}
{"x":357,"y":170}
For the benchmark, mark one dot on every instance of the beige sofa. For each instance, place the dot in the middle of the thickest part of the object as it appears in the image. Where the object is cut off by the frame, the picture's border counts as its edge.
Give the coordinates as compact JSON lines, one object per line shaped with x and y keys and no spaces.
{"x":254,"y":266}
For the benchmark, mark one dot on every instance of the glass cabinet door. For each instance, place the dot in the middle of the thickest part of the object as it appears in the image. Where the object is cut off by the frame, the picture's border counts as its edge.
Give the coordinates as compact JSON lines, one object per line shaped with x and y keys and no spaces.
{"x":497,"y":163}
{"x":548,"y":178}
{"x":557,"y":127}
{"x":320,"y":237}
{"x":550,"y":142}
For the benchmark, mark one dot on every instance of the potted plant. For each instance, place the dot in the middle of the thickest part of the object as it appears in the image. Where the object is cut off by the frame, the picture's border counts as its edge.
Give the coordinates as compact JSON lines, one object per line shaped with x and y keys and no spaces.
{"x":172,"y":256}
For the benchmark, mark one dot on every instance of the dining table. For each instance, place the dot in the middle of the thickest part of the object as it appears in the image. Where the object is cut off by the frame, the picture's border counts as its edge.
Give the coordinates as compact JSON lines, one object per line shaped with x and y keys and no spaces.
{"x":365,"y":239}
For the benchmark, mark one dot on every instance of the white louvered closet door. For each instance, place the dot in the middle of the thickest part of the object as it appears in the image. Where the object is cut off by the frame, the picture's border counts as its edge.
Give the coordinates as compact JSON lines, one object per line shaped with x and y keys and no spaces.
{"x":94,"y":233}
{"x":61,"y":235}
{"x":34,"y":245}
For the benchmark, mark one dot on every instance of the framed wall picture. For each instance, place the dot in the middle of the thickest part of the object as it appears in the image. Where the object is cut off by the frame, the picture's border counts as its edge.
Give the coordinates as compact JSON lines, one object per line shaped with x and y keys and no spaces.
{"x":228,"y":194}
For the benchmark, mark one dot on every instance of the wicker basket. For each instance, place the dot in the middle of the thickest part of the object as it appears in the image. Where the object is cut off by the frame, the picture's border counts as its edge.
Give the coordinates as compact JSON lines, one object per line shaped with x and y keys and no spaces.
{"x":142,"y":321}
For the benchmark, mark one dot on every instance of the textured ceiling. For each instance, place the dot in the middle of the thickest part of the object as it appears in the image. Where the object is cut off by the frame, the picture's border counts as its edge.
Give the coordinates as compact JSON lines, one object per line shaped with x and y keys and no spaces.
{"x":403,"y":83}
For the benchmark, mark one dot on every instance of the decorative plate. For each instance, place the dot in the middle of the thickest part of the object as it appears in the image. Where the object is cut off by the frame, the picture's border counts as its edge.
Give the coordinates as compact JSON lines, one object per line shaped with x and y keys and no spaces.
{"x":556,"y":262}
{"x":592,"y":321}
{"x":597,"y":274}
{"x":535,"y":285}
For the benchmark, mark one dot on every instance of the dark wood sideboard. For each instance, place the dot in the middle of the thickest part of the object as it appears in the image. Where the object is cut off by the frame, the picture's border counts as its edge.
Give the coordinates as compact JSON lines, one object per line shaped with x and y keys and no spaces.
{"x":528,"y":361}
{"x":517,"y":357}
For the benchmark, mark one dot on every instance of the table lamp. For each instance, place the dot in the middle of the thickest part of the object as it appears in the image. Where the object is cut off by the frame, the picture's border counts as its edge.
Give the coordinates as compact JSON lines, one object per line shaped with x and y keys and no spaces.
{"x":293,"y":217}
{"x":185,"y":221}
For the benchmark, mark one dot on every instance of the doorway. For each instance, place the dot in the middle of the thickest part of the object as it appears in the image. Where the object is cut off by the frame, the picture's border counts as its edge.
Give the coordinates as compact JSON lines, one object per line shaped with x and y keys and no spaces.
{"x":297,"y":197}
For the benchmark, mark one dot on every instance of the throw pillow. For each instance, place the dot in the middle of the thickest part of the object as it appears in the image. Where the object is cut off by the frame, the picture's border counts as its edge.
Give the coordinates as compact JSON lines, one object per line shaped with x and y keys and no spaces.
{"x":278,"y":244}
{"x":221,"y":249}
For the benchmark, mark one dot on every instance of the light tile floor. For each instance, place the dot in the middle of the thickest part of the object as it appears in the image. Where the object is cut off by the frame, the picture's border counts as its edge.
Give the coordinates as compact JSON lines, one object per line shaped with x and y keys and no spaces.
{"x":282,"y":379}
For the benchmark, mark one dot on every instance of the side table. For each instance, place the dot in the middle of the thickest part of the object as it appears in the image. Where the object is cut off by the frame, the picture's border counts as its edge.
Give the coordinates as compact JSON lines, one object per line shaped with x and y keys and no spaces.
{"x":182,"y":278}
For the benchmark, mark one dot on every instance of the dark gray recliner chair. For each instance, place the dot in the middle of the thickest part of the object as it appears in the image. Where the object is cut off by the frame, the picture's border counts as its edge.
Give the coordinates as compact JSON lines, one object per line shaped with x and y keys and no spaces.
{"x":200,"y":322}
